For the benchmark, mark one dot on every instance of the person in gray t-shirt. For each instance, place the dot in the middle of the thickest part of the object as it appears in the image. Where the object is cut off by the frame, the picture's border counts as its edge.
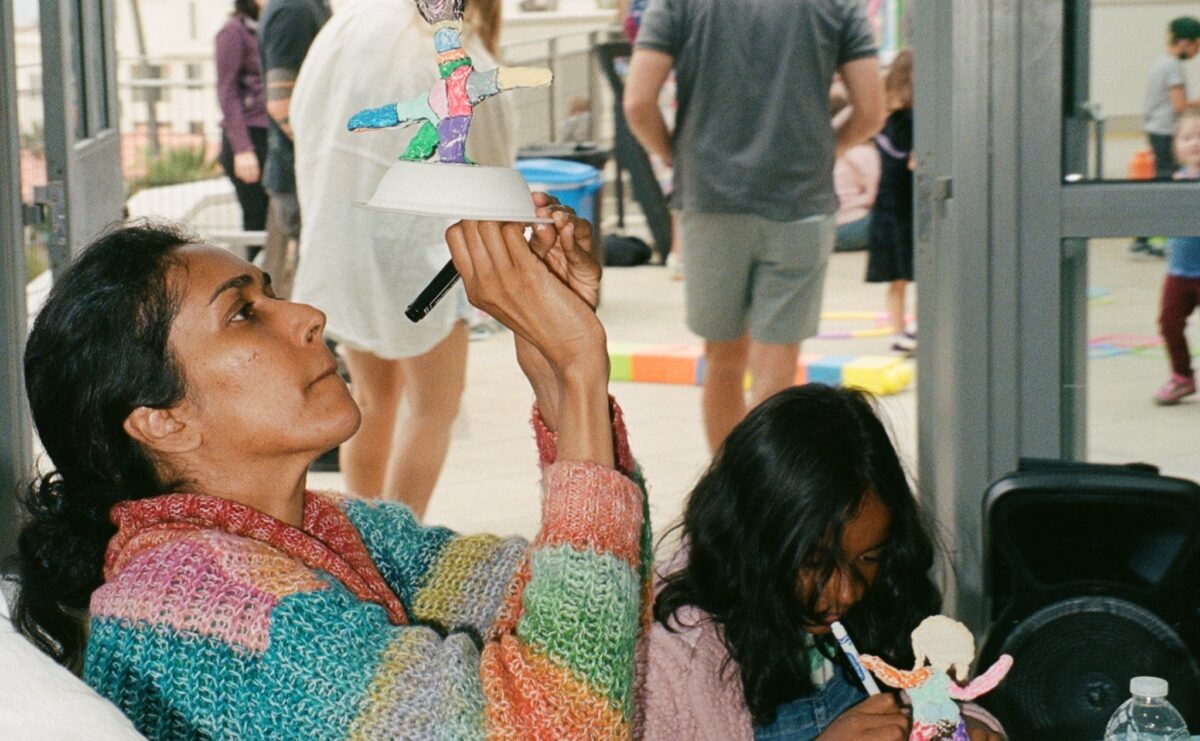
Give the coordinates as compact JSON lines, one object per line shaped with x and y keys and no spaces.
{"x":753,"y":153}
{"x":1166,"y":93}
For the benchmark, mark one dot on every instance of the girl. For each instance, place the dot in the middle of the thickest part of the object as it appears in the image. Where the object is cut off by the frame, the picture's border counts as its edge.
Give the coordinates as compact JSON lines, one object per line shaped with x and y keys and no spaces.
{"x":1181,"y":290}
{"x":804,"y":517}
{"x":891,"y":238}
{"x":182,"y":404}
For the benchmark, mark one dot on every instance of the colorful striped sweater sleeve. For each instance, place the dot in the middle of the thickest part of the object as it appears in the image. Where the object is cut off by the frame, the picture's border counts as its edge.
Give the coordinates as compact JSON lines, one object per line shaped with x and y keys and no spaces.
{"x":366,"y":625}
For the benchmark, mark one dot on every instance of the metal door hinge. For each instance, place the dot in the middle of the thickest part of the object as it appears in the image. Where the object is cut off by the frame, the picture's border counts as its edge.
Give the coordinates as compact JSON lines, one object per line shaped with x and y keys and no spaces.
{"x":34,"y":214}
{"x":943,"y":189}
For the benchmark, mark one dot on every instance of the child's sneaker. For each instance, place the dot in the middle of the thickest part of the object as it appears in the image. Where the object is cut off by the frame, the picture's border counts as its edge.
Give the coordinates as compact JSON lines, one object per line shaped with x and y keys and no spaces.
{"x":1174,"y":390}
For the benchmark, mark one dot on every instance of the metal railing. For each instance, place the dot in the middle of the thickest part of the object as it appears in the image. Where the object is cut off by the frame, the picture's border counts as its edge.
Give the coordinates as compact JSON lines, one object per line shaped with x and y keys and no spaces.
{"x":170,"y":123}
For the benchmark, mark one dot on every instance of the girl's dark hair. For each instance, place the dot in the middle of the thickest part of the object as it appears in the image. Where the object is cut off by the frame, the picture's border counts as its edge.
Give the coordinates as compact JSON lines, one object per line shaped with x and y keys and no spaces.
{"x":97,"y":351}
{"x":248,"y":8}
{"x":776,"y":498}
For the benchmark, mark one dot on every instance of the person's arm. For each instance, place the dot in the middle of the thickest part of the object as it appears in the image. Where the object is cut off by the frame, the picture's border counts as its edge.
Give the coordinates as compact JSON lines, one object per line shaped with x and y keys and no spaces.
{"x":648,"y":71}
{"x":576,"y":607}
{"x":228,"y":60}
{"x":864,"y":88}
{"x":229,"y":52}
{"x":521,"y":640}
{"x":1178,"y":97}
{"x":284,"y":37}
{"x":280,"y":83}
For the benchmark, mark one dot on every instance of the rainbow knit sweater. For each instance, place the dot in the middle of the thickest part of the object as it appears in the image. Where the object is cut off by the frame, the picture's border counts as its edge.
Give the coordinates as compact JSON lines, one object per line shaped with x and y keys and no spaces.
{"x":217,"y":621}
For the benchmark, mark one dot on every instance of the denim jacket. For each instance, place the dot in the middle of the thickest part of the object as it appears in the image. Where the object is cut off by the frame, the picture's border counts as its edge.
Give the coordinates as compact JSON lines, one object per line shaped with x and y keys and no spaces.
{"x":805,"y":718}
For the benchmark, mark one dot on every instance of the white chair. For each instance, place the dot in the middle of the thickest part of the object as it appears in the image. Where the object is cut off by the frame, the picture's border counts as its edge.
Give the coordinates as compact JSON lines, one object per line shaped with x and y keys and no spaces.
{"x":40,"y":699}
{"x":209,"y":206}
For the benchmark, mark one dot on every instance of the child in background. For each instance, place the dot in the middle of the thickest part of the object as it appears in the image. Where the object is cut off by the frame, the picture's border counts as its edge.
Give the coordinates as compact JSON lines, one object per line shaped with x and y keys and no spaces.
{"x":891,"y":246}
{"x":1181,"y":289}
{"x":804,"y":517}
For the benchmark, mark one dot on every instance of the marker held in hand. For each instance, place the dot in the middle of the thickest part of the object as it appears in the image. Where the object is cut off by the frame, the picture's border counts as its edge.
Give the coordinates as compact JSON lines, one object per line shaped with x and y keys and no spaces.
{"x":848,"y":648}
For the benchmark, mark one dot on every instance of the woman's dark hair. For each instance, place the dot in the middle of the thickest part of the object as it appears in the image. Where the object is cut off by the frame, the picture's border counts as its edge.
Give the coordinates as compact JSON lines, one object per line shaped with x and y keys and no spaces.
{"x":776,"y":497}
{"x":248,"y":8}
{"x":97,"y":351}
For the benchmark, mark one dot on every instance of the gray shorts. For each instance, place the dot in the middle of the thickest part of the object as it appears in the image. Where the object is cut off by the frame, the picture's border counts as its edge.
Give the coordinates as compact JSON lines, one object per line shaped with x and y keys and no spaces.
{"x":746,"y":274}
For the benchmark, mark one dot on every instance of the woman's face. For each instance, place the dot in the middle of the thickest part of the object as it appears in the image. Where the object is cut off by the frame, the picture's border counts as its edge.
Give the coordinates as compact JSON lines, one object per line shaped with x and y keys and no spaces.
{"x":863,"y":539}
{"x":260,"y":382}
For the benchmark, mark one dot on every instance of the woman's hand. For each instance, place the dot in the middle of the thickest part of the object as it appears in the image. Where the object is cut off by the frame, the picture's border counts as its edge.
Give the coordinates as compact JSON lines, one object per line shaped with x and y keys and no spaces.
{"x":245,"y":167}
{"x":566,"y":247}
{"x":567,"y":250}
{"x":978,"y":731}
{"x":561,"y":343}
{"x":877,"y":718}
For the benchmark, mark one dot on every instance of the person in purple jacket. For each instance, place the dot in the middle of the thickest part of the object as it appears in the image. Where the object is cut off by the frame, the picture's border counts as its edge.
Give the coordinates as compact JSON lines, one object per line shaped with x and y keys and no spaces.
{"x":244,"y":111}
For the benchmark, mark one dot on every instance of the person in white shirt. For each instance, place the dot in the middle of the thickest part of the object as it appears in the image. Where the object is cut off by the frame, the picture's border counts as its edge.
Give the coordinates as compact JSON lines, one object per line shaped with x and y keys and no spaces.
{"x":363,"y":266}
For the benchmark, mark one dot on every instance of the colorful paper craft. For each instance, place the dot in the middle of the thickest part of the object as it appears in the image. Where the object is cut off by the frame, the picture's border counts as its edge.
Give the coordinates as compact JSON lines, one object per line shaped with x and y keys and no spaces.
{"x":445,"y":112}
{"x":947,"y":645}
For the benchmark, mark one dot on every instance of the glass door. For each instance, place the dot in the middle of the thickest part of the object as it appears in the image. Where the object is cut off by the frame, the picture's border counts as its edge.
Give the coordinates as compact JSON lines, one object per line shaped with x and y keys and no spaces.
{"x":1024,"y":114}
{"x":19,"y":140}
{"x":1126,"y":208}
{"x":84,"y":192}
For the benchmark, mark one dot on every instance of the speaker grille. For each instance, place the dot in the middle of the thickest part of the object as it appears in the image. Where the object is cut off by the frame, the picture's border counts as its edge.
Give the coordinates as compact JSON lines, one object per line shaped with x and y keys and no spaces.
{"x":1072,"y":664}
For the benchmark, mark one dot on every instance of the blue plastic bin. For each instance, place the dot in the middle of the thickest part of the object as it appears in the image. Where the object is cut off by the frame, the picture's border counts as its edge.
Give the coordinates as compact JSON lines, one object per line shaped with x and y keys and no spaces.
{"x":574,"y":184}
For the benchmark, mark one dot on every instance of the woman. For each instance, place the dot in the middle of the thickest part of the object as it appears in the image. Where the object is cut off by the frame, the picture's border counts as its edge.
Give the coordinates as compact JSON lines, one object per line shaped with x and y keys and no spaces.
{"x":244,"y":108}
{"x":804,"y":517}
{"x":373,"y":51}
{"x":181,"y":403}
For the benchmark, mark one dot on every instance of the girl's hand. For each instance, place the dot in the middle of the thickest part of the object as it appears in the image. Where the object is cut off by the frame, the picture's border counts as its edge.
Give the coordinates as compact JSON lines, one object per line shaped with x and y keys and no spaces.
{"x":977,"y":731}
{"x":877,"y":718}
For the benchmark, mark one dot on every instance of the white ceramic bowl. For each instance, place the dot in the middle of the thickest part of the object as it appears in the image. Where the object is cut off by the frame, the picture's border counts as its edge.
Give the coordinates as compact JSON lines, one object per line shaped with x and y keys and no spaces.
{"x":455,"y":191}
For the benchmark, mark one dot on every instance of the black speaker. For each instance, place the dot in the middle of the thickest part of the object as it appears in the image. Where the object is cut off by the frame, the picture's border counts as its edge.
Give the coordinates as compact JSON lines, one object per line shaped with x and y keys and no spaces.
{"x":1092,"y":574}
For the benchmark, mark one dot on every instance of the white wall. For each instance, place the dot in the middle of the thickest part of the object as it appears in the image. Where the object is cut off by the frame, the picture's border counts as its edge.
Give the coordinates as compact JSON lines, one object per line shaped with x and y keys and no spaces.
{"x":1126,"y":37}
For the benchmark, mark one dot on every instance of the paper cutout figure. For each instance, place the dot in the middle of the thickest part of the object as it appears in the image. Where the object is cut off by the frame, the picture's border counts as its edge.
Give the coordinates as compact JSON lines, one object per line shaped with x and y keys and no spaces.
{"x":445,"y":111}
{"x":946,"y":644}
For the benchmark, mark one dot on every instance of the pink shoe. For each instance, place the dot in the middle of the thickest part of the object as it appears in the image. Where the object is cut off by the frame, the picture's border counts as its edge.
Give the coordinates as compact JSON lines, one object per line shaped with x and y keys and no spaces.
{"x":1174,"y":390}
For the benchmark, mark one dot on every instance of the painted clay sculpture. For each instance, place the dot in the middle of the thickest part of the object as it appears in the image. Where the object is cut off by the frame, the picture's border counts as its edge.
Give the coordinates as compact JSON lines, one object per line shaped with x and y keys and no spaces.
{"x":946,"y":645}
{"x":445,"y":112}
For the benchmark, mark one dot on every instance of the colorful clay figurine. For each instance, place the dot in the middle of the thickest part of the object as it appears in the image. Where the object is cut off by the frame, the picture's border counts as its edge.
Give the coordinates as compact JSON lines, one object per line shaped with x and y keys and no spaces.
{"x":946,"y":644}
{"x":445,"y":111}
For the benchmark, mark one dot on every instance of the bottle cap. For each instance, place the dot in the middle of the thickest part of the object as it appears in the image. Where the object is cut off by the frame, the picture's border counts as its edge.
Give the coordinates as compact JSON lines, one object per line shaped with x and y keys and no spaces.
{"x":1148,"y":686}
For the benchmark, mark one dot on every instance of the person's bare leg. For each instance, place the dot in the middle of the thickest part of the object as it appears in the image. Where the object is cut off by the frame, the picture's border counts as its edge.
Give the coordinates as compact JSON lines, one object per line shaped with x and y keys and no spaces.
{"x":675,"y":257}
{"x":724,"y":397}
{"x":433,"y":389}
{"x":772,"y":368}
{"x":895,"y":307}
{"x":376,"y":384}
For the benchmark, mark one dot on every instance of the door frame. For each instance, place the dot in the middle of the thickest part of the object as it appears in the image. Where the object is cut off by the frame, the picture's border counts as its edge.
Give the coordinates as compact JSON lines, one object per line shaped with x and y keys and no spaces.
{"x":85,"y":191}
{"x":16,"y":448}
{"x":1003,"y":261}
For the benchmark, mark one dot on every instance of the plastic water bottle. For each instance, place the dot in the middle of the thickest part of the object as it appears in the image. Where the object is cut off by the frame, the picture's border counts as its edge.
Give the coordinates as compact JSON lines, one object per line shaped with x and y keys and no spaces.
{"x":1147,"y":716}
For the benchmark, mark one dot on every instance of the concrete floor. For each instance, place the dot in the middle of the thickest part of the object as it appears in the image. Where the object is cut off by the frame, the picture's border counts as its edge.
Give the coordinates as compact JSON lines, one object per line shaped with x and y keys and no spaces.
{"x":490,"y":479}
